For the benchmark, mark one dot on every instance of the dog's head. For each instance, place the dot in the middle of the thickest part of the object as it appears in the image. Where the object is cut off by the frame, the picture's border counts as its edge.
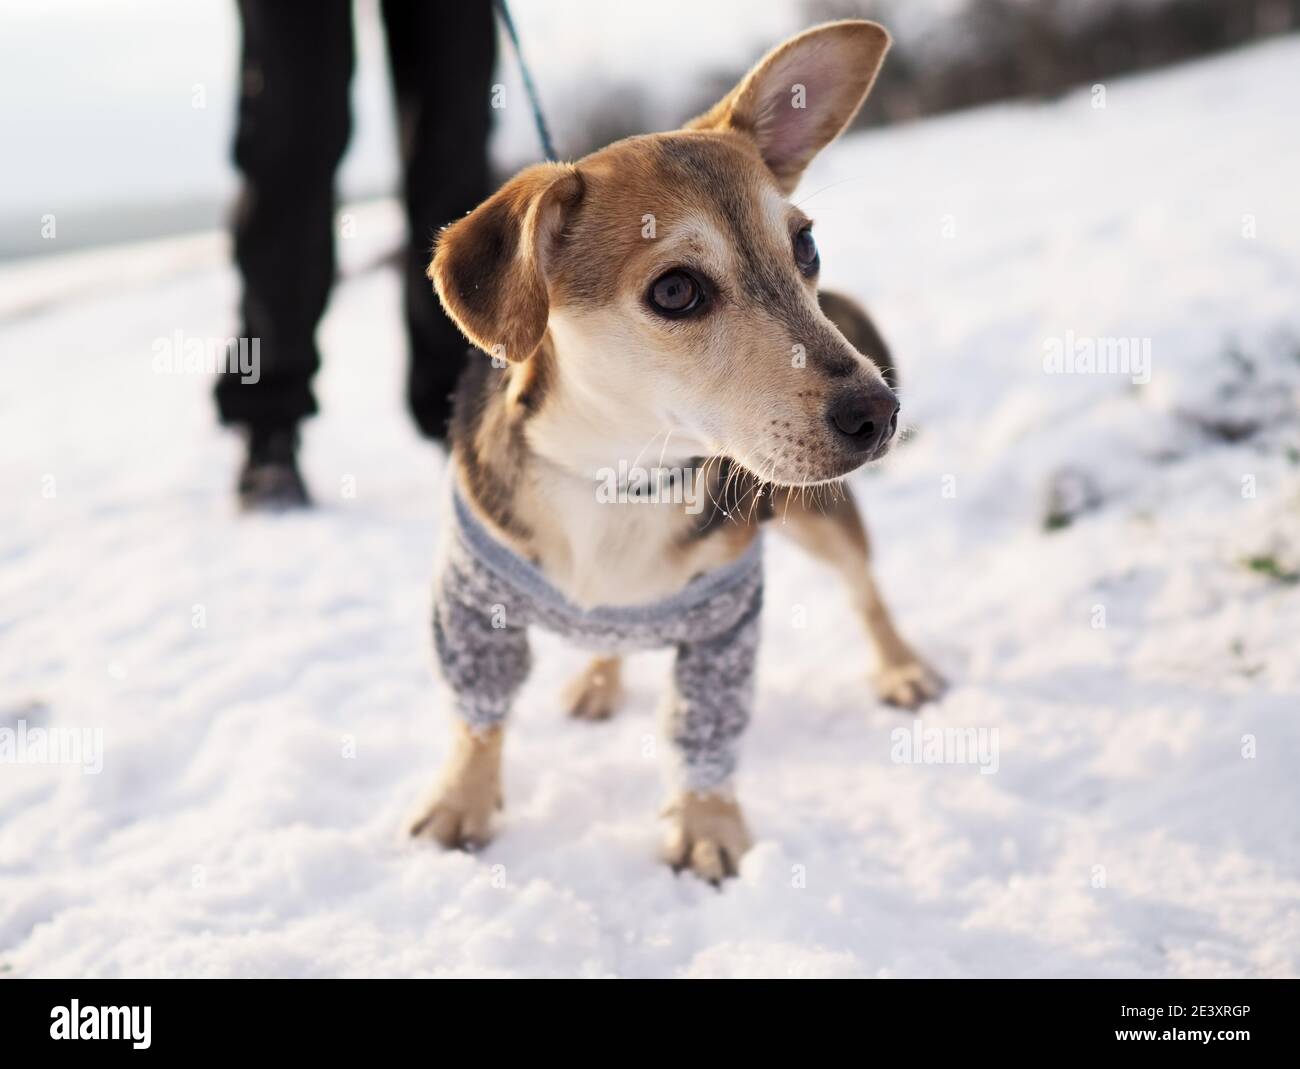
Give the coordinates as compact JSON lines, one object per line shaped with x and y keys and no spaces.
{"x":679,"y":283}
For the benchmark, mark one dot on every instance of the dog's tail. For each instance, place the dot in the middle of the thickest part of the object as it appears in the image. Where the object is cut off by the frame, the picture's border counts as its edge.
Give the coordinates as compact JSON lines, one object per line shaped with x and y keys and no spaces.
{"x":854,"y":323}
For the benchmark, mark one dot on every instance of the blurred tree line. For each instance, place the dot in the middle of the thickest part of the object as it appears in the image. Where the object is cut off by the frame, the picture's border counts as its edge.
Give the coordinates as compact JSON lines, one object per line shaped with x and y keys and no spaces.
{"x":998,"y":49}
{"x":983,"y":51}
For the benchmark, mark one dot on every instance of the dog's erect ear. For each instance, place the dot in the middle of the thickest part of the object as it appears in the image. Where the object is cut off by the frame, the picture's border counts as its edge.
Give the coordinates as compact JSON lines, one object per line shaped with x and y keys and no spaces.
{"x":802,"y":94}
{"x":490,"y":268}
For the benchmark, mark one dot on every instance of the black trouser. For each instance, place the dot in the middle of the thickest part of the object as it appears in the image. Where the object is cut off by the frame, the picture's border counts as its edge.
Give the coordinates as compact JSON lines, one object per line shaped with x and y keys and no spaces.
{"x":293,"y":128}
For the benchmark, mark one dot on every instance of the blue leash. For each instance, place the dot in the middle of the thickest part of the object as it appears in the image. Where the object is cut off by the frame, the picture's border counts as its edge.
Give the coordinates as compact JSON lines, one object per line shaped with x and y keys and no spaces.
{"x":548,"y":146}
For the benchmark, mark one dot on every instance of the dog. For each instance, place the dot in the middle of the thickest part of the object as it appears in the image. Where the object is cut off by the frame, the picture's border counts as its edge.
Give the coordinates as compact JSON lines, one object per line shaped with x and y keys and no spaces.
{"x":657,"y":298}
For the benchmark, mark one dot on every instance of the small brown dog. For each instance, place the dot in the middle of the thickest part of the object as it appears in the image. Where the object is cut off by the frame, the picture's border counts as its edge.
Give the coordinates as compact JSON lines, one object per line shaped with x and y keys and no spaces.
{"x":659,"y":297}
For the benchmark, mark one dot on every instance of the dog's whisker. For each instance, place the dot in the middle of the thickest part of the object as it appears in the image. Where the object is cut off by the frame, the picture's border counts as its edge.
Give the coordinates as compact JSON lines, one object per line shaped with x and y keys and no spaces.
{"x":757,"y":489}
{"x":641,"y":451}
{"x":664,"y":450}
{"x":713,"y":462}
{"x":841,"y":182}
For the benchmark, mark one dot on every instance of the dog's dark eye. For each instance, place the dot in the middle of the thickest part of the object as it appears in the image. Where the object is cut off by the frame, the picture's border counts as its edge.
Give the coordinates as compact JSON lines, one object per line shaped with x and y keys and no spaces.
{"x":805,"y":251}
{"x":676,"y":294}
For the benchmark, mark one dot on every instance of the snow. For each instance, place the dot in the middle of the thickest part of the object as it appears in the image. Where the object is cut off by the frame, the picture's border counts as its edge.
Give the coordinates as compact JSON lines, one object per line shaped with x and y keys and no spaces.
{"x":1141,"y":818}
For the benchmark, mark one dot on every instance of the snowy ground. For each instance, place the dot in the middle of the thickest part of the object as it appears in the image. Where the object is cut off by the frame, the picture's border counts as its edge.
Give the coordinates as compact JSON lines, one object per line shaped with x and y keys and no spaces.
{"x":256,"y":770}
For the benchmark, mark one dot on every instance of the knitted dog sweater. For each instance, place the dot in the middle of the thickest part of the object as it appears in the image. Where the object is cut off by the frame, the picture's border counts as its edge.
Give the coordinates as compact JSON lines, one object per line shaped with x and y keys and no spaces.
{"x":487,"y":596}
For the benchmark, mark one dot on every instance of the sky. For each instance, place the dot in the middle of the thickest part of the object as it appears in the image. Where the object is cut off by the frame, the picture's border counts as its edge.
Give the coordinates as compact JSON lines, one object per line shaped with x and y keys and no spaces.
{"x":117,"y":116}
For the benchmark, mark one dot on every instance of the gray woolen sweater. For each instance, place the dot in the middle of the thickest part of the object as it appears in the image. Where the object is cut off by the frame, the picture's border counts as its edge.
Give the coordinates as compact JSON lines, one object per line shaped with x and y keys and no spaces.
{"x":487,"y":595}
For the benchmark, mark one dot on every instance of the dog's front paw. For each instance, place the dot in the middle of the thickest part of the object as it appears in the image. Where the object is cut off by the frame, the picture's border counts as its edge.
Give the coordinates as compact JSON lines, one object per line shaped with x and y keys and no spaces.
{"x":596,"y":692}
{"x":706,"y":834}
{"x":909,"y":684}
{"x":460,"y":812}
{"x":455,"y":823}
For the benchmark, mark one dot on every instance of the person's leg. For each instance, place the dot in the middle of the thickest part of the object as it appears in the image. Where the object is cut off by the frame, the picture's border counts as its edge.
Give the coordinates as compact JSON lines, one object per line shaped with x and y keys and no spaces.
{"x":293,"y":128}
{"x":442,"y":57}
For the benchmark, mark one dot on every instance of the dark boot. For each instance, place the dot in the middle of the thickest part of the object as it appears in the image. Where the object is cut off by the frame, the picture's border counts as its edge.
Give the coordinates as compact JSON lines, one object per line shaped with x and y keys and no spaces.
{"x":269,"y":480}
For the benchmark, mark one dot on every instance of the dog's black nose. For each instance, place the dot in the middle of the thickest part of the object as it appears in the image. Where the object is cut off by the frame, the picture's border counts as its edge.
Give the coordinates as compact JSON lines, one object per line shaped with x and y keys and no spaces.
{"x":865,"y":421}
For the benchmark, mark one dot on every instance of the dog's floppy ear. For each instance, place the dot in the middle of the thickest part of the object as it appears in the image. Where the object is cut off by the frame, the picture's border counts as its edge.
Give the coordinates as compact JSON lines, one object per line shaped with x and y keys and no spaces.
{"x":490,"y":267}
{"x":802,"y":94}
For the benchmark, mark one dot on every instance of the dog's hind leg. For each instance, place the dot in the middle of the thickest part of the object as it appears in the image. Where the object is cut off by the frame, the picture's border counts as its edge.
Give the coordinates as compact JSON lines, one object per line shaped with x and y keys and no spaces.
{"x":833,"y":532}
{"x":597,"y":691}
